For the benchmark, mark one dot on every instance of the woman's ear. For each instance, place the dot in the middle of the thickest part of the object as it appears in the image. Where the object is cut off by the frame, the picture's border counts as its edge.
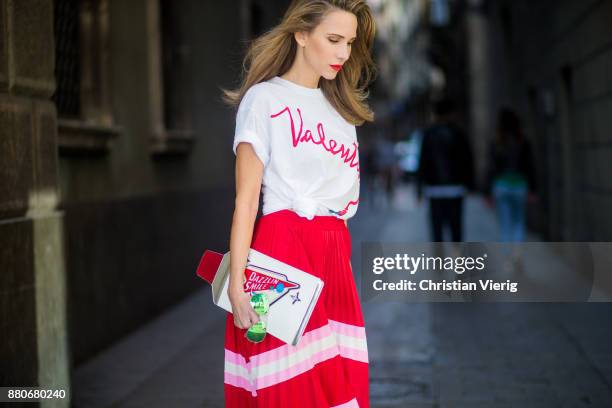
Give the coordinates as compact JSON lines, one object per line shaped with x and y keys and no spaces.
{"x":300,"y":38}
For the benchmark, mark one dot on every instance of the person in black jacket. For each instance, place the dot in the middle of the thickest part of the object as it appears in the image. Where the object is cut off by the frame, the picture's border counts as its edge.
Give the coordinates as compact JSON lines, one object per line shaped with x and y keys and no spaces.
{"x":446,"y":171}
{"x":511,"y":176}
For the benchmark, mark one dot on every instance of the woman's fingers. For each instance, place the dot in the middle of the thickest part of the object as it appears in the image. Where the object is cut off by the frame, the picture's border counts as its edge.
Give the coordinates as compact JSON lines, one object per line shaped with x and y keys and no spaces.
{"x":244,"y":314}
{"x":239,"y":320}
{"x":246,"y":319}
{"x":254,"y":316}
{"x":251,"y":317}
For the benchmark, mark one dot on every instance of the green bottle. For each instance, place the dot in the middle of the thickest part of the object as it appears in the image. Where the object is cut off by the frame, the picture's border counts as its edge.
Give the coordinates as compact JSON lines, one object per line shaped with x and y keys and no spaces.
{"x":257,"y":332}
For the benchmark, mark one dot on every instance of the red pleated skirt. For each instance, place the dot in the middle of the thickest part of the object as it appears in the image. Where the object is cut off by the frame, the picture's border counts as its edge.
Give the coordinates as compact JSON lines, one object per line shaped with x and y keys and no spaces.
{"x":329,"y":366}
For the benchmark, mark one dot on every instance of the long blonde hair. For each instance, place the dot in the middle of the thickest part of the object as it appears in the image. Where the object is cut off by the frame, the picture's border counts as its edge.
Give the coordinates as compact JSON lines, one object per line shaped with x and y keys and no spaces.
{"x":273,"y":53}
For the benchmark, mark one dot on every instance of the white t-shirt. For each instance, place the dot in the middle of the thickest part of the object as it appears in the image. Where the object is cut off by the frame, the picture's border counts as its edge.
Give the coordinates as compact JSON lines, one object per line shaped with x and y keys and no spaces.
{"x":310,"y":152}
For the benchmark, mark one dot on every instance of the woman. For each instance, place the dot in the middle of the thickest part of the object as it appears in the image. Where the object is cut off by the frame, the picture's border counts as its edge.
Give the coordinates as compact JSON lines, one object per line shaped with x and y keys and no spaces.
{"x":511,"y":175}
{"x":302,"y":95}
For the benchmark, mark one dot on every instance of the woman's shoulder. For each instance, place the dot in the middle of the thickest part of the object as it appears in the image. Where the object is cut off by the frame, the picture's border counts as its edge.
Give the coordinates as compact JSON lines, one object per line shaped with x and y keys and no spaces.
{"x":264,"y":89}
{"x":256,"y":97}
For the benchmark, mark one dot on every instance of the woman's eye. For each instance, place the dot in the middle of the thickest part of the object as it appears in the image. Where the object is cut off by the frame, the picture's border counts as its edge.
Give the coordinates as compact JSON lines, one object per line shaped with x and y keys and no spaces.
{"x":336,"y":41}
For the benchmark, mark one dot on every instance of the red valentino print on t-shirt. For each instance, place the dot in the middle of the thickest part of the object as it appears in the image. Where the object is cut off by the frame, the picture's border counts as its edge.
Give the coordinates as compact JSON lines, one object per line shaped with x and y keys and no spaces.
{"x":347,"y":154}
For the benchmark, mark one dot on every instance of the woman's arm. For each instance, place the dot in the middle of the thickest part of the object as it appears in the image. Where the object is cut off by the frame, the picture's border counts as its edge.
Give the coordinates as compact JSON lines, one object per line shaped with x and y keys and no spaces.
{"x":249,"y":173}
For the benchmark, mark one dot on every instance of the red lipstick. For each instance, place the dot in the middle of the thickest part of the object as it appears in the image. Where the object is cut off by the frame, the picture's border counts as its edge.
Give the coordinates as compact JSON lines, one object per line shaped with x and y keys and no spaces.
{"x":336,"y":67}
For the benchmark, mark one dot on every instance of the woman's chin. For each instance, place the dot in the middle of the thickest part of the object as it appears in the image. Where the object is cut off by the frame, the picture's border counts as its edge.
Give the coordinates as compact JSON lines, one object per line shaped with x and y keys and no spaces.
{"x":330,"y":75}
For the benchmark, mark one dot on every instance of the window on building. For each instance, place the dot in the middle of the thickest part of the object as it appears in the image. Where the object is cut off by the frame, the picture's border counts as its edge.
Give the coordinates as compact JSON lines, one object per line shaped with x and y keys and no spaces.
{"x":173,"y":118}
{"x":82,"y":94}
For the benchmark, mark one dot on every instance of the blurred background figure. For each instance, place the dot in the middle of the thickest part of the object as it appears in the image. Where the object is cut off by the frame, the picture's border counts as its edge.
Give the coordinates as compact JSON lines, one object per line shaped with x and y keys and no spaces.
{"x":445,"y":171}
{"x":511,"y":176}
{"x":409,"y":151}
{"x":385,"y":165}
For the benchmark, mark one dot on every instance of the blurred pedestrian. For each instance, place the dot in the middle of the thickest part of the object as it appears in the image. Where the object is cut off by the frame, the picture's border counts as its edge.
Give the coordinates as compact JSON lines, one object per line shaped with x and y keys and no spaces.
{"x":445,"y":173}
{"x":511,"y":177}
{"x":386,"y":159}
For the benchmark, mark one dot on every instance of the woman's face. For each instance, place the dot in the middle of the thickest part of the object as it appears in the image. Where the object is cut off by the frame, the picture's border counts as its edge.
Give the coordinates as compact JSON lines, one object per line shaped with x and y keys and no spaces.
{"x":328,"y":46}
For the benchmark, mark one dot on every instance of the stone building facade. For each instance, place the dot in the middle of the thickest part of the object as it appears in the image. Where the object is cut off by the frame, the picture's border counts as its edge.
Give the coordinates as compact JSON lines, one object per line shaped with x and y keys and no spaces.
{"x":33,"y":315}
{"x":116,"y":169}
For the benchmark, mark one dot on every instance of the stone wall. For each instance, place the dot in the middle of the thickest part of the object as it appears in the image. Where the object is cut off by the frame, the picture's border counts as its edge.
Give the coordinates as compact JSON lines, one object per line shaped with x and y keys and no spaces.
{"x":137,"y":218}
{"x":34,"y":348}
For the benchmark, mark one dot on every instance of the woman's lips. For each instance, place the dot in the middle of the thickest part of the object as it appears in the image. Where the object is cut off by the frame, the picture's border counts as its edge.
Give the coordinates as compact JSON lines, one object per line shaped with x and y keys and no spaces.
{"x":336,"y":67}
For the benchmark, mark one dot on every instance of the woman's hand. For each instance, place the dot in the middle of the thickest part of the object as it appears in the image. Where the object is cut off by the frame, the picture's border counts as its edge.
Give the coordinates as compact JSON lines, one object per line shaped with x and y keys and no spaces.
{"x":244,"y":314}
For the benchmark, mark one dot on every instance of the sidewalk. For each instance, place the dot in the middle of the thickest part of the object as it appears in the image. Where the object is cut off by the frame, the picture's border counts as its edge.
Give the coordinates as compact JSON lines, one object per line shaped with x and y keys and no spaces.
{"x":166,"y":363}
{"x":445,"y":355}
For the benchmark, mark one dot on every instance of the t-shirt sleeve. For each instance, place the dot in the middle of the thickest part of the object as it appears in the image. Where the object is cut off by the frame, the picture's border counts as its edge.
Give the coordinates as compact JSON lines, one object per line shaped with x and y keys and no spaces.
{"x":250,"y":129}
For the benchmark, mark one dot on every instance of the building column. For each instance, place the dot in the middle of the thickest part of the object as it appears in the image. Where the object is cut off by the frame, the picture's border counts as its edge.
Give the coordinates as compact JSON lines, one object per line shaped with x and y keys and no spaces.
{"x":34,"y":348}
{"x":481,"y":109}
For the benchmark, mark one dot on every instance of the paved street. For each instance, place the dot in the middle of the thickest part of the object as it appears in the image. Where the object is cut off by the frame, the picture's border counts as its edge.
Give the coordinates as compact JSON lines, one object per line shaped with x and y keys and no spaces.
{"x":421,"y":354}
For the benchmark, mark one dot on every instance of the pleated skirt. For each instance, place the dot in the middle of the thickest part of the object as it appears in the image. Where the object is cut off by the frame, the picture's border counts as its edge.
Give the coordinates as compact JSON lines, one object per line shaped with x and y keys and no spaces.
{"x":329,"y":366}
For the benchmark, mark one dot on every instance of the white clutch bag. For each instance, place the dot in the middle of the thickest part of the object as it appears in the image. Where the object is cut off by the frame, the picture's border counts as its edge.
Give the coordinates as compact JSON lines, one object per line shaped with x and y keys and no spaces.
{"x":292,"y":293}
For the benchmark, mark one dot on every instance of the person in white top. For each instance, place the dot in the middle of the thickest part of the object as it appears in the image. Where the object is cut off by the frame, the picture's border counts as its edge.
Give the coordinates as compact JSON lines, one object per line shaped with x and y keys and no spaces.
{"x":302,"y":94}
{"x":309,"y":152}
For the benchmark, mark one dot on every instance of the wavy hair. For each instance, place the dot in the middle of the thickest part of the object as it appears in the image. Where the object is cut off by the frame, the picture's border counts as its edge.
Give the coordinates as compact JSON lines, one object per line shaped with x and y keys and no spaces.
{"x":273,"y":52}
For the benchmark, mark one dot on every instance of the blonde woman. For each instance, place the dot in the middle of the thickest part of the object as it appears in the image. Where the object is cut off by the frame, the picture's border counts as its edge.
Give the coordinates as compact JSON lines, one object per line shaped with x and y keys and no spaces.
{"x":303,"y":93}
